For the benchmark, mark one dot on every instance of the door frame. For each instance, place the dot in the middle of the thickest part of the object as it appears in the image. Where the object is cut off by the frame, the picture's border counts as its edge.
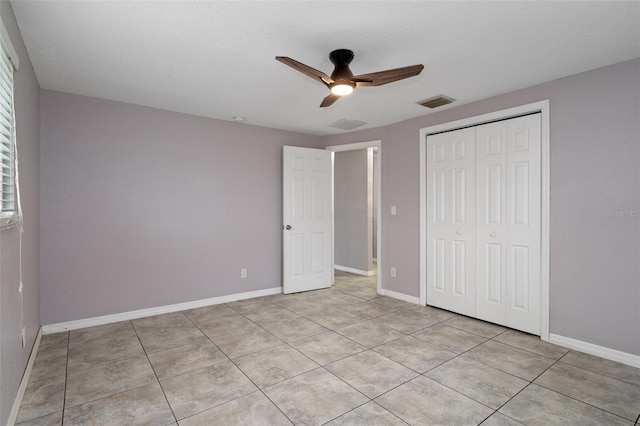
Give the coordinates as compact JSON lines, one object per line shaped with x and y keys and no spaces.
{"x":353,"y":147}
{"x":545,"y":194}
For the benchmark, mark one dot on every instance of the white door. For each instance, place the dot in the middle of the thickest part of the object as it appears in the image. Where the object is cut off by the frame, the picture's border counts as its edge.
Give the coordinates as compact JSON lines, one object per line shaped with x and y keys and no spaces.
{"x":523,"y":223}
{"x":508,"y":222}
{"x":451,"y":221}
{"x":307,"y":227}
{"x":491,"y":235}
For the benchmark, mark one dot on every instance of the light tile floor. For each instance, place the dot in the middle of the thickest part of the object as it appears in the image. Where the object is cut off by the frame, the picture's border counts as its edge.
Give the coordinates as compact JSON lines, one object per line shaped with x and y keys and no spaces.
{"x":341,"y":356}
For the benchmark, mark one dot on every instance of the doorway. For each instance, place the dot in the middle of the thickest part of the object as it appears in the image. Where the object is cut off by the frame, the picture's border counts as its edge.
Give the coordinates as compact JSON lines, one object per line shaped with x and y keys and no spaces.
{"x":347,"y":258}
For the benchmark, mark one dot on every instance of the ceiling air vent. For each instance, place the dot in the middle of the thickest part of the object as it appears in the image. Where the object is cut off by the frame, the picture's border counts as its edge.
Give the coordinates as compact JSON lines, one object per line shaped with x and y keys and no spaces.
{"x":345,"y":124}
{"x":437,"y":101}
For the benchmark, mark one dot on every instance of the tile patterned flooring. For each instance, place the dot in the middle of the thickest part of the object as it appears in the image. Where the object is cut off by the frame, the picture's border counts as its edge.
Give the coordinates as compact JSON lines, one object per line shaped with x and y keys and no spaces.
{"x":341,"y":356}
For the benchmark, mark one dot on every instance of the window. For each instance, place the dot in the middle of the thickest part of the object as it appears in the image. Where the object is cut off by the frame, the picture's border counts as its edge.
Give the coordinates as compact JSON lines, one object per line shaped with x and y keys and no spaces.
{"x":9,"y":210}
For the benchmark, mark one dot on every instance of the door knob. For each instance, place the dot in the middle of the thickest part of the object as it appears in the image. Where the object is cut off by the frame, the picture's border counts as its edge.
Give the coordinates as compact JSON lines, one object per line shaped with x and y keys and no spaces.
{"x":288,"y":227}
{"x":492,"y":235}
{"x":458,"y":232}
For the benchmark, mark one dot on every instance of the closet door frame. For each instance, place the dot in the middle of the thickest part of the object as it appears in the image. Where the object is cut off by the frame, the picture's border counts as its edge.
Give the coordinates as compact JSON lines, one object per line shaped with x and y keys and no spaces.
{"x":543,"y":108}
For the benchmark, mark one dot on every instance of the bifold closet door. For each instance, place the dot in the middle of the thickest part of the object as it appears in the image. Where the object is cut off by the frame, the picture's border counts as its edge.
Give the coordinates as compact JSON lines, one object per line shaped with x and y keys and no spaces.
{"x":508,"y":223}
{"x":451,"y":221}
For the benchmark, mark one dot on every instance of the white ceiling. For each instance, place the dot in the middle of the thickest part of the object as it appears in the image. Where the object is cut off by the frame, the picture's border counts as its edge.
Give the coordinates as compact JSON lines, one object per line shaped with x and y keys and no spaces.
{"x":216,"y":58}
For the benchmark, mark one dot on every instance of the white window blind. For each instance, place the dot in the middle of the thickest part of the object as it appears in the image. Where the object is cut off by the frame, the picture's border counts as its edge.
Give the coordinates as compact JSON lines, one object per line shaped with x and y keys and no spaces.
{"x":8,"y":205}
{"x":7,"y":141}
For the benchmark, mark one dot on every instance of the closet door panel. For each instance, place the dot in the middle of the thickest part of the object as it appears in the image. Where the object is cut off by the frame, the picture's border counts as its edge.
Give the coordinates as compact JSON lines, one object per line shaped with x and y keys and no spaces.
{"x":523,"y":223}
{"x":451,"y":221}
{"x":491,"y":210}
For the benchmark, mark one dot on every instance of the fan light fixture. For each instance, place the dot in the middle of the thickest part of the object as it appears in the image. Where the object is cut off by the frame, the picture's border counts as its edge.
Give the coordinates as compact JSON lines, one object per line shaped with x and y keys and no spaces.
{"x":342,"y":89}
{"x":342,"y":81}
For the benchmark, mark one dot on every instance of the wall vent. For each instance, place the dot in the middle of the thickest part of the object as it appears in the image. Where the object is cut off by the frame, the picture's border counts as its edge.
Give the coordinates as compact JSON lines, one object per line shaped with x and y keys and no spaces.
{"x":437,"y":101}
{"x":345,"y":124}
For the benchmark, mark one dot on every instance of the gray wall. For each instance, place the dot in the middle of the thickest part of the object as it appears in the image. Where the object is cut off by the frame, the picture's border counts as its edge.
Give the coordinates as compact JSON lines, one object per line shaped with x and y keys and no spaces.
{"x":144,"y":207}
{"x":352,"y":228}
{"x":13,"y":358}
{"x":595,"y":157}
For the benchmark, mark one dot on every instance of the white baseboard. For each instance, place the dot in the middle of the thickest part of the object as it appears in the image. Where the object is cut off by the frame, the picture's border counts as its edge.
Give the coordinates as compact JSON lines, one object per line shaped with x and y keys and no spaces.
{"x":400,"y":296}
{"x":353,"y":270}
{"x":591,"y":349}
{"x":15,"y":408}
{"x":125,"y":316}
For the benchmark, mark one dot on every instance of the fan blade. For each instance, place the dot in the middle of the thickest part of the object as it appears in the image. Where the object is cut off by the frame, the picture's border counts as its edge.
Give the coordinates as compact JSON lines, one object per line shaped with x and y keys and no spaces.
{"x":389,"y":76}
{"x":329,"y":100}
{"x":306,"y":70}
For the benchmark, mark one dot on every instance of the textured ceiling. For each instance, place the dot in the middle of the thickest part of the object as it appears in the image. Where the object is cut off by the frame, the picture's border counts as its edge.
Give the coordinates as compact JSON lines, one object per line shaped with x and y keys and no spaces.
{"x":216,"y":58}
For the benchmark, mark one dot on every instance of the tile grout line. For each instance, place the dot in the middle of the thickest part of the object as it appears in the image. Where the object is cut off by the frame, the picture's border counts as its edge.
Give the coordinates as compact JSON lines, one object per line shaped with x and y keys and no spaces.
{"x":559,"y":393}
{"x":66,"y":377}
{"x":324,"y":366}
{"x":301,"y":353}
{"x":527,"y":350}
{"x":106,"y":396}
{"x":258,"y":389}
{"x":154,"y":373}
{"x":571,"y":397}
{"x":598,"y":372}
{"x":444,"y":362}
{"x":529,"y":384}
{"x":507,"y":372}
{"x":320,"y":366}
{"x":31,"y":382}
{"x":344,"y":414}
{"x":488,"y":366}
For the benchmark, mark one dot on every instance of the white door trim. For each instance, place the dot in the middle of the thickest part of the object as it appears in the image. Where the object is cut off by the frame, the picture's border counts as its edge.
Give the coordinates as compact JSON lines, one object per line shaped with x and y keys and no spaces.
{"x":545,"y":176}
{"x":364,"y":145}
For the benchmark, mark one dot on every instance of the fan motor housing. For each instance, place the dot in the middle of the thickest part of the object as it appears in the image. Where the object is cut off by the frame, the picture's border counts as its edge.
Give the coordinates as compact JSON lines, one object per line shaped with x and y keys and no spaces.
{"x":341,"y":58}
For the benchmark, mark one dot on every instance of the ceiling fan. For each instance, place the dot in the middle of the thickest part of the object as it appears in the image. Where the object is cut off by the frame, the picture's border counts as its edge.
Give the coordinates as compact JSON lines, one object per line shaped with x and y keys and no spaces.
{"x":342,"y":81}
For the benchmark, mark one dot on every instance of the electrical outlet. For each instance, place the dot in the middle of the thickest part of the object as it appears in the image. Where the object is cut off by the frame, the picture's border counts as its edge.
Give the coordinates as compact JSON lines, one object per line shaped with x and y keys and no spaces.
{"x":243,"y":273}
{"x":393,"y":272}
{"x":393,"y":210}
